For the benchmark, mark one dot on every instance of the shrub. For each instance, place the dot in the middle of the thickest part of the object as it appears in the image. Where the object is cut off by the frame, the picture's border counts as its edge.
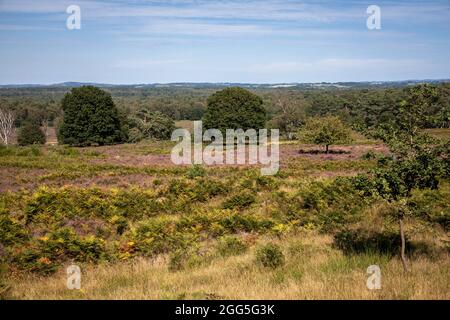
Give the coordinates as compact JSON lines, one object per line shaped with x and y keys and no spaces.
{"x":49,"y":205}
{"x":365,"y":241}
{"x":12,"y":232}
{"x":270,"y":256}
{"x":239,"y":201}
{"x":159,"y":235}
{"x":231,"y":245}
{"x":45,"y":254}
{"x":238,"y":222}
{"x":432,"y":205}
{"x":180,"y":259}
{"x":195,"y":171}
{"x":369,"y":155}
{"x":30,"y":133}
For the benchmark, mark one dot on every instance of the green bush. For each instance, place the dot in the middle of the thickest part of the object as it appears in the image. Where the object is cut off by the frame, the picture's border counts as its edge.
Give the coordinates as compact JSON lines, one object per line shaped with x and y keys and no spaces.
{"x":159,"y":235}
{"x":239,"y":201}
{"x":195,"y":171}
{"x":231,"y":245}
{"x":29,"y":134}
{"x":45,"y":254}
{"x":364,"y":241}
{"x":51,"y":205}
{"x":432,"y":205}
{"x":11,"y":232}
{"x":270,"y":256}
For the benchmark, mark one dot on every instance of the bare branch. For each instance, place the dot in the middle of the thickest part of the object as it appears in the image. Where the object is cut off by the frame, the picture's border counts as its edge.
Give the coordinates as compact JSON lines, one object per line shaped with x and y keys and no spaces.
{"x":7,"y":118}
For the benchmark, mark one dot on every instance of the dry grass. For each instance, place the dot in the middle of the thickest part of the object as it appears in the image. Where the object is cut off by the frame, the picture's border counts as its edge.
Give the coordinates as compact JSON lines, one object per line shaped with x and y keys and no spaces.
{"x":313,"y":270}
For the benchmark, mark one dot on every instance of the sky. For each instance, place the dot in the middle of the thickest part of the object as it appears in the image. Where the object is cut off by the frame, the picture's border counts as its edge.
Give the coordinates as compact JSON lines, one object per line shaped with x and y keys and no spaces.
{"x":251,"y":41}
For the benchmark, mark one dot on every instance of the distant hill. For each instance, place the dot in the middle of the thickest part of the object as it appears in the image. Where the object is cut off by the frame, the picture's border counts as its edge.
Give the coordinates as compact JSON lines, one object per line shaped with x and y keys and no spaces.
{"x":318,"y":85}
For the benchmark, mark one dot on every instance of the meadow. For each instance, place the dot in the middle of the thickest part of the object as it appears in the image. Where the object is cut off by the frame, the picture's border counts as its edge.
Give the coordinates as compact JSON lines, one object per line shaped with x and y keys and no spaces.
{"x":140,"y":227}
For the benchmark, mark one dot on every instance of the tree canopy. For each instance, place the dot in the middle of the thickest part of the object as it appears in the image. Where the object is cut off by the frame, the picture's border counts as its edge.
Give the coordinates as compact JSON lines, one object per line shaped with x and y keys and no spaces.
{"x":90,"y":117}
{"x":324,"y":131}
{"x":234,"y":108}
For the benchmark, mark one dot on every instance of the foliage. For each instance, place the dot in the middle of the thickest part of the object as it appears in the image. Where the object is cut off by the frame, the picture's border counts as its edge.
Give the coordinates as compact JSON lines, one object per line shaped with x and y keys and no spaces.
{"x":365,"y":241}
{"x":234,"y":108}
{"x":231,"y":245}
{"x":324,"y":131}
{"x":241,"y":200}
{"x":152,"y":125}
{"x":270,"y":256}
{"x":195,"y":171}
{"x":90,"y":117}
{"x":30,"y":133}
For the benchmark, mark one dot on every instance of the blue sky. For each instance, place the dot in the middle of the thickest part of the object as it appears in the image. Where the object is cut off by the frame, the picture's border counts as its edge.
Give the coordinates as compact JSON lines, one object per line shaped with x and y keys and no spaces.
{"x":263,"y":41}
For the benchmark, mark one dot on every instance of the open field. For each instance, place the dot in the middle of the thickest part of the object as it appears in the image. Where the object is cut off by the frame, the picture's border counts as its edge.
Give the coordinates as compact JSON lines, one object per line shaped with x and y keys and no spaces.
{"x":142,"y":228}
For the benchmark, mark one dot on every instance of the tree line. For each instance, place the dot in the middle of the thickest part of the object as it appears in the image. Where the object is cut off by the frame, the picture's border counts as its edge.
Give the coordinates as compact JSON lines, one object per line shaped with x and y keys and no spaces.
{"x":150,"y":112}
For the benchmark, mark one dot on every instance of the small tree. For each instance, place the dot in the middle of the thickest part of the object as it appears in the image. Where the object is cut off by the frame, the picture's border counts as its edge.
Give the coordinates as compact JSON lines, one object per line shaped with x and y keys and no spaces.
{"x":234,"y":108}
{"x":7,"y":119}
{"x":30,"y":133}
{"x":324,"y":131}
{"x":418,"y":160}
{"x":90,"y":117}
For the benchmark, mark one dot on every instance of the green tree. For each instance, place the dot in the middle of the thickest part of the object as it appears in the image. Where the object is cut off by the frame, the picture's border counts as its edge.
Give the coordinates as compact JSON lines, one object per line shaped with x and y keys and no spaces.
{"x":418,"y":161}
{"x":90,"y":117}
{"x":325,"y":131}
{"x":30,"y":133}
{"x":234,"y":108}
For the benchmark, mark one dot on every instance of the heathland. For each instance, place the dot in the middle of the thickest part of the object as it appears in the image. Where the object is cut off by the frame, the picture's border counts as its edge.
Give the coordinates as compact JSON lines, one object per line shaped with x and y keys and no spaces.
{"x":141,"y":227}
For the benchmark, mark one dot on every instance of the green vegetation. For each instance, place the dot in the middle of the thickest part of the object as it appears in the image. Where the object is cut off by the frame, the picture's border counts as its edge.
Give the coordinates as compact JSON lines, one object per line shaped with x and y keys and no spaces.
{"x":270,"y":256}
{"x":90,"y":117}
{"x":324,"y":131}
{"x":30,"y":133}
{"x":234,"y":108}
{"x":154,"y":125}
{"x":140,"y":227}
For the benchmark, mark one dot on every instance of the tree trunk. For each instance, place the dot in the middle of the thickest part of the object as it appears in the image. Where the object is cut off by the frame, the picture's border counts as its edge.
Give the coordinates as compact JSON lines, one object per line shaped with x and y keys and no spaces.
{"x":326,"y":149}
{"x":402,"y":253}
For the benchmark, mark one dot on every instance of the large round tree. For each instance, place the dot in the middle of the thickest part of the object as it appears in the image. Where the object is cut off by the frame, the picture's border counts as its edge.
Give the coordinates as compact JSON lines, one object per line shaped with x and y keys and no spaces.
{"x":234,"y":108}
{"x":90,"y":117}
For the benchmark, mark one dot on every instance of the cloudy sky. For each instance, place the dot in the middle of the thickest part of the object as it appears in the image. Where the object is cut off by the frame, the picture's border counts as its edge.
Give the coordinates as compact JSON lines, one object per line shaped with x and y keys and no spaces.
{"x":265,"y":41}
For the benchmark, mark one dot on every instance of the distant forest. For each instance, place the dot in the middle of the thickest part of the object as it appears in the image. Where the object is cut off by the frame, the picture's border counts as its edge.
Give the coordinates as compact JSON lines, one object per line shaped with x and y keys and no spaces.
{"x":362,"y":108}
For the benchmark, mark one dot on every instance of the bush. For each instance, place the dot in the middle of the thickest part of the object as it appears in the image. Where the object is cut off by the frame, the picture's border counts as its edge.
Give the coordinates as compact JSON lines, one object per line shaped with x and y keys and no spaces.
{"x":12,"y":232}
{"x":90,"y":118}
{"x":239,"y":201}
{"x":231,"y":245}
{"x":369,"y":155}
{"x":183,"y":258}
{"x":270,"y":256}
{"x":195,"y":171}
{"x":47,"y":253}
{"x":365,"y":241}
{"x":30,"y":133}
{"x":234,"y":108}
